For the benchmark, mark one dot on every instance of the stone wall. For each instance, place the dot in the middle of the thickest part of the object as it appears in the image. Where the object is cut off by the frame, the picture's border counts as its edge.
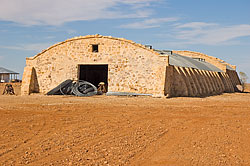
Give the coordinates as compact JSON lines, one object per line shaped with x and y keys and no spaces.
{"x":131,"y":67}
{"x":30,"y":81}
{"x":183,"y":81}
{"x":234,"y":78}
{"x":193,"y":82}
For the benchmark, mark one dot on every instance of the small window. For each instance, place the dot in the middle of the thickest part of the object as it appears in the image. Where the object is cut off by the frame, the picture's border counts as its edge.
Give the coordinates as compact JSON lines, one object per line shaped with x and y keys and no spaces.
{"x":95,"y":48}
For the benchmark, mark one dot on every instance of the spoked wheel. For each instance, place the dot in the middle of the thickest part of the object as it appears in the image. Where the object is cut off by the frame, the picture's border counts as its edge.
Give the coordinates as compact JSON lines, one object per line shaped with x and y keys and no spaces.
{"x":84,"y":88}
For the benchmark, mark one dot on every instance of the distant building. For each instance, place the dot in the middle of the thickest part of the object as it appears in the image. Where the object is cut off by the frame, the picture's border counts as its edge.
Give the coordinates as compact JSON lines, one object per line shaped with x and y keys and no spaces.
{"x":7,"y":75}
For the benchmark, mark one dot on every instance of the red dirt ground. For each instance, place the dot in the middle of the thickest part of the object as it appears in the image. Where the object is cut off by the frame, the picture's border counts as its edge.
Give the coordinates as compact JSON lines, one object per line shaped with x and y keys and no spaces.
{"x":101,"y":130}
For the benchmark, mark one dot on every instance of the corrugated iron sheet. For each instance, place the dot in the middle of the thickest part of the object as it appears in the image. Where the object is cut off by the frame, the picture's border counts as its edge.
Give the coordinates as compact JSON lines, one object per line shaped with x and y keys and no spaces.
{"x":6,"y":71}
{"x":183,"y":61}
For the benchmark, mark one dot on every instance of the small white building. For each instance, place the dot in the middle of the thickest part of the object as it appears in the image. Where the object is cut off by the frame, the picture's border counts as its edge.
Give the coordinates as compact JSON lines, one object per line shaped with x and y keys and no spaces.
{"x":7,"y":75}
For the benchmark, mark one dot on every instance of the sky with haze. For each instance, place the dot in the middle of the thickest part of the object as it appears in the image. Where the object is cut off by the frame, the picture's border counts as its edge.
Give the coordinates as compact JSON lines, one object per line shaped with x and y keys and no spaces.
{"x":219,"y":28}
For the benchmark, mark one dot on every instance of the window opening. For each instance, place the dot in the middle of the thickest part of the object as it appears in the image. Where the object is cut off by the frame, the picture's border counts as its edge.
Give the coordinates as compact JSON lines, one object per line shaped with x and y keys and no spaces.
{"x":94,"y":48}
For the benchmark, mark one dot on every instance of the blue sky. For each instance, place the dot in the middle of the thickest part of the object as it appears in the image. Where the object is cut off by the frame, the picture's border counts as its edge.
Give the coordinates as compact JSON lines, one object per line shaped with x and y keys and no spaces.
{"x":219,"y":28}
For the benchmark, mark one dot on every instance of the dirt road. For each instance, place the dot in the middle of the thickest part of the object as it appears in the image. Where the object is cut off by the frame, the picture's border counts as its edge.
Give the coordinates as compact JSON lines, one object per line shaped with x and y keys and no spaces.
{"x":101,"y":130}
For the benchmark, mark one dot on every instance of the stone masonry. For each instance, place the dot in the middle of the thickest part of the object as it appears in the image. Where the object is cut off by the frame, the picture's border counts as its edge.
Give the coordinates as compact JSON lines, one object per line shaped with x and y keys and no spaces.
{"x":132,"y":67}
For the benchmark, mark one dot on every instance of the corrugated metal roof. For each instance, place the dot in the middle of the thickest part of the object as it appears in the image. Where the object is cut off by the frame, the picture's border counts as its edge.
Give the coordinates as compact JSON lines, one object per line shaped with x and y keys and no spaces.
{"x":183,"y":61}
{"x":6,"y":71}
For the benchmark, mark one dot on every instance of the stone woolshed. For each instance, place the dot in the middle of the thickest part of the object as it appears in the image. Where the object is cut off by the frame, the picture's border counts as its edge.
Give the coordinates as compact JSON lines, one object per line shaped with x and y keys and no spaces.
{"x":126,"y":66}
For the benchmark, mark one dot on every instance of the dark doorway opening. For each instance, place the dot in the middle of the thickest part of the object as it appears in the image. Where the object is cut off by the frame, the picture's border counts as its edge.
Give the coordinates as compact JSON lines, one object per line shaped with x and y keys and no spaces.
{"x":94,"y":74}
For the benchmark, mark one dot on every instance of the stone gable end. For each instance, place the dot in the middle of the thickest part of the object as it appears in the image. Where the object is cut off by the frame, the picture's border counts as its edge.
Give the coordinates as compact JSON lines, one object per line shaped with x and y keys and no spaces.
{"x":131,"y":67}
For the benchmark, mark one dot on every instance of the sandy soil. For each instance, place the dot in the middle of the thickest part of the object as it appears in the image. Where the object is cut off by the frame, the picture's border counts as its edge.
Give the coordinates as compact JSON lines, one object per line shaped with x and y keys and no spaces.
{"x":101,"y":130}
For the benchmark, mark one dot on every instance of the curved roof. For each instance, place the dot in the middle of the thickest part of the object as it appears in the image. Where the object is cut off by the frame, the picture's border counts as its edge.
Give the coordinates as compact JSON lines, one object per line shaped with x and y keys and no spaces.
{"x":184,"y":61}
{"x":6,"y":71}
{"x":95,"y":36}
{"x":193,"y":53}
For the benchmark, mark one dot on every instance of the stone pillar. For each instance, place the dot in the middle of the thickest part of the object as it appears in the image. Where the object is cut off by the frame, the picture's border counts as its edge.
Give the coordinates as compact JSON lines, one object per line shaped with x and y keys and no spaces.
{"x":230,"y":83}
{"x":237,"y":78}
{"x":201,"y":81}
{"x":225,"y":82}
{"x":216,"y":85}
{"x":25,"y":88}
{"x":169,"y":81}
{"x":185,"y":76}
{"x":212,"y":82}
{"x":183,"y":90}
{"x":208,"y":81}
{"x":197,"y":83}
{"x":204,"y":81}
{"x":220,"y":81}
{"x":29,"y":81}
{"x":192,"y":82}
{"x":231,"y":77}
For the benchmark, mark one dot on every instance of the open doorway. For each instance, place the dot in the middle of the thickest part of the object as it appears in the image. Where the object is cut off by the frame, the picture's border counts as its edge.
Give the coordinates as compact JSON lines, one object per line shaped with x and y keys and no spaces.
{"x":94,"y":74}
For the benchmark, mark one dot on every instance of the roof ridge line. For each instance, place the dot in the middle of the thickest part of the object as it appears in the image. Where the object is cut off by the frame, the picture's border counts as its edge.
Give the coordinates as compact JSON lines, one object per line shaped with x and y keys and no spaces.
{"x":93,"y":36}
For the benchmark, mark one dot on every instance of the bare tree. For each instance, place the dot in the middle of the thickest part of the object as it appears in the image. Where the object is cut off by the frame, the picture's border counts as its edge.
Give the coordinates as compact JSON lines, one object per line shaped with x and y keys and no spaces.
{"x":243,"y":79}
